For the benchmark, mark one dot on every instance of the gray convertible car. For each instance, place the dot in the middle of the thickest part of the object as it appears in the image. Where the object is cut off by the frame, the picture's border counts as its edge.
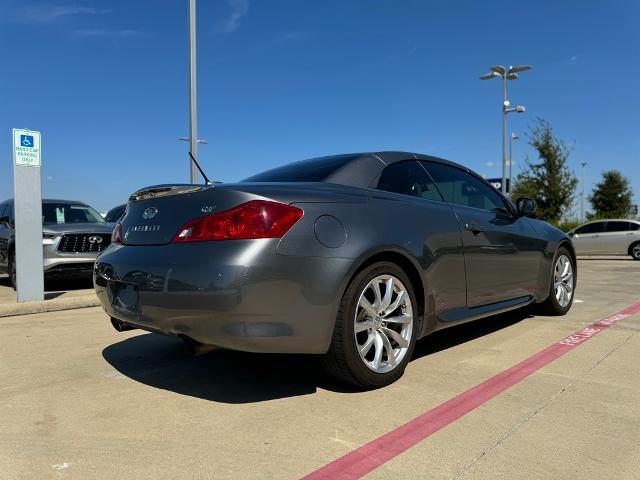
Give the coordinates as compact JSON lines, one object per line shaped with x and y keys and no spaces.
{"x":351,"y":257}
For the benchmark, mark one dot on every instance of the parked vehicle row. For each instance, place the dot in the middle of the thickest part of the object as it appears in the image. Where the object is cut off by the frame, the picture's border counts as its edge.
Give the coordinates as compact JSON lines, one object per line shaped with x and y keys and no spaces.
{"x":73,"y":234}
{"x":352,"y":257}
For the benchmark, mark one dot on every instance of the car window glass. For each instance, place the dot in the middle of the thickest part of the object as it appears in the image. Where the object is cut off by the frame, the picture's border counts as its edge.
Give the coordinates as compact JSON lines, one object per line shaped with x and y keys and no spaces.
{"x":596,"y":227}
{"x":617,"y":226}
{"x":461,"y":188}
{"x":54,"y":213}
{"x":313,"y":170}
{"x":634,"y":226}
{"x":3,"y":217}
{"x":408,"y":178}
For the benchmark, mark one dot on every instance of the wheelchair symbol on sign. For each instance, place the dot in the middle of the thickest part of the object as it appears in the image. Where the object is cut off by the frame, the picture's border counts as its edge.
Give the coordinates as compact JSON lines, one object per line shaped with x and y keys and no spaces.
{"x":26,"y":140}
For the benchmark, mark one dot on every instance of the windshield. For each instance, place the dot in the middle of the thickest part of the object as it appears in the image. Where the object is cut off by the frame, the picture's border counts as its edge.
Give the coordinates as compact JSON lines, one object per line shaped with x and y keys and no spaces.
{"x":58,"y":213}
{"x":314,"y":170}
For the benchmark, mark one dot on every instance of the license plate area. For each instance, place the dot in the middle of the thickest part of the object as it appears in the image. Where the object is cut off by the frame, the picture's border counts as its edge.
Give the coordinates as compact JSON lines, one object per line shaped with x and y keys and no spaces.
{"x":124,"y":298}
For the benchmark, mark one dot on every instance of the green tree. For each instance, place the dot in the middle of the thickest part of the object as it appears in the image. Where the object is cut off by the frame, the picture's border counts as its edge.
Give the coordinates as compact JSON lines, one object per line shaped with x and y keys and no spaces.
{"x":550,"y":182}
{"x":612,"y":197}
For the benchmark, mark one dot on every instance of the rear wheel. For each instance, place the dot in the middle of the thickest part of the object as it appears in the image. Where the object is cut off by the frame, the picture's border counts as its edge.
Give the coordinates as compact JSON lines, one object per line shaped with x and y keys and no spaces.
{"x":12,"y":270}
{"x":376,"y":328}
{"x":634,"y":250}
{"x":562,"y":284}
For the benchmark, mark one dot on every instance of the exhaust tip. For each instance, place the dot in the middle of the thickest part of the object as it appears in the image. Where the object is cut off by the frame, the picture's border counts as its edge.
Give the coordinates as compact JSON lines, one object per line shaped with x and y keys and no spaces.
{"x":195,"y":348}
{"x":121,"y":326}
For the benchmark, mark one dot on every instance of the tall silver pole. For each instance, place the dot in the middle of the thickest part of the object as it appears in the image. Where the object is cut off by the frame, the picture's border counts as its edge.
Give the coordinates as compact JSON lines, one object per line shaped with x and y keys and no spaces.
{"x":582,"y":194}
{"x":510,"y":163}
{"x":193,"y":116}
{"x":504,"y":133}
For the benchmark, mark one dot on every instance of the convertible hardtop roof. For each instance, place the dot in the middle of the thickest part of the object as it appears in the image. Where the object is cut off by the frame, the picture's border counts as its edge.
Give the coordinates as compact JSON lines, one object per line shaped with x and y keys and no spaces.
{"x":365,"y":168}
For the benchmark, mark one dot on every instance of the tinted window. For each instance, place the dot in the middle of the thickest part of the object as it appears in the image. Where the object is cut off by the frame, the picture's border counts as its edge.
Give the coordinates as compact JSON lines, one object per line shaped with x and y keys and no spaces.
{"x":314,"y":170}
{"x":115,"y":214}
{"x":408,"y":178}
{"x":634,"y":226}
{"x":4,"y":213}
{"x":461,"y":188}
{"x":596,"y":227}
{"x":53,"y":213}
{"x":617,"y":226}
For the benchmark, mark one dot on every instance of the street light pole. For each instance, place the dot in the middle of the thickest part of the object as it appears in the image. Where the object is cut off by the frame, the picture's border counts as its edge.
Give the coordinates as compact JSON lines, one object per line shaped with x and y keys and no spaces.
{"x":511,"y":139}
{"x":193,"y":115}
{"x":505,"y":74}
{"x":505,"y":104}
{"x":584,"y":164}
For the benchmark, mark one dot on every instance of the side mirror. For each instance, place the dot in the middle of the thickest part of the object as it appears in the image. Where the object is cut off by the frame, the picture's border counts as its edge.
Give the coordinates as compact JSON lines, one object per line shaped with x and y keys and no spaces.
{"x":526,"y":207}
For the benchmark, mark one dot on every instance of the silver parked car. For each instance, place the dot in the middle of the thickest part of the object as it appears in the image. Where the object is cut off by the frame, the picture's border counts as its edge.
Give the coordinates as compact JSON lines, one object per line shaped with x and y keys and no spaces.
{"x":73,"y":234}
{"x":608,"y":237}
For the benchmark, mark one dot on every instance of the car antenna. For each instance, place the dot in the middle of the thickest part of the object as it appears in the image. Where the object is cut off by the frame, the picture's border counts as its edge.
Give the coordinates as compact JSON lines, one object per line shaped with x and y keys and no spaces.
{"x":206,"y":179}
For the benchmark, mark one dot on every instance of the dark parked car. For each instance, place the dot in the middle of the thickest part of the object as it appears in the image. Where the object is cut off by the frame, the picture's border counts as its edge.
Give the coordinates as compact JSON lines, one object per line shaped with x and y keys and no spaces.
{"x":115,"y":214}
{"x":73,"y":234}
{"x":352,"y":257}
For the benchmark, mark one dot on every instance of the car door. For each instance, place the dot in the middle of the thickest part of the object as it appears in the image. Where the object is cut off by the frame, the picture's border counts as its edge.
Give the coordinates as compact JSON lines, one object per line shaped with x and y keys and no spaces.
{"x":415,"y":215}
{"x":502,"y":251}
{"x":586,"y":238}
{"x":617,"y":237}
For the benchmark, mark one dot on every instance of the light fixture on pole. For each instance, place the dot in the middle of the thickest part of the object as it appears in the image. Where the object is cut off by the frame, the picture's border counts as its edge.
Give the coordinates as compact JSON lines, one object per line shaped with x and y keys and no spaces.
{"x":505,"y":74}
{"x":511,"y":139}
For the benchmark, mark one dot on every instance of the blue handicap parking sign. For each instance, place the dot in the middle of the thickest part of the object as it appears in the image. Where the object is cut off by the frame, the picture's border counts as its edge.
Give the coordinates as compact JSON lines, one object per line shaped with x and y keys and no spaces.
{"x":26,"y":140}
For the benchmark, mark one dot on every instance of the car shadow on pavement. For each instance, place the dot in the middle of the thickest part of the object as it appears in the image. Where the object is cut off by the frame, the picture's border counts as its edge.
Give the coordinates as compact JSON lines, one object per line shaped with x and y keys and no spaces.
{"x":53,"y":288}
{"x":236,"y":377}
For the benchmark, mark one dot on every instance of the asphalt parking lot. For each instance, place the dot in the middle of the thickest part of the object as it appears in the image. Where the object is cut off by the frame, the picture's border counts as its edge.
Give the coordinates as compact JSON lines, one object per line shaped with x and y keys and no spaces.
{"x":80,"y":400}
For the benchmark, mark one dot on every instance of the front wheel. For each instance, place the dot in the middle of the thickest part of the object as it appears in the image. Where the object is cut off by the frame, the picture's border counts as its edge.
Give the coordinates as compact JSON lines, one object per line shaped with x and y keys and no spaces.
{"x":562,"y":284}
{"x":376,"y":328}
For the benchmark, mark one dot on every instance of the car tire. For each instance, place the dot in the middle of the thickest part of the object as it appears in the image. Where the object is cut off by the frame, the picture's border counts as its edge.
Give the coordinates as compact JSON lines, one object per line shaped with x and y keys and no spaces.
{"x":372,"y":369}
{"x":12,"y":270}
{"x":634,"y":251}
{"x":560,"y":297}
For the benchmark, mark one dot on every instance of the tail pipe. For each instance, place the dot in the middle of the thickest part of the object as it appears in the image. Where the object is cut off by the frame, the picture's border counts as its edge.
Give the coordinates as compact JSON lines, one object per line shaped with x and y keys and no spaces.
{"x":121,"y":326}
{"x":195,"y":348}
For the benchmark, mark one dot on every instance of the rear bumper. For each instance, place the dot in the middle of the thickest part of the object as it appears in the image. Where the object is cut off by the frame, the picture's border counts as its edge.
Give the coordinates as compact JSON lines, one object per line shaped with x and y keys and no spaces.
{"x":238,"y":294}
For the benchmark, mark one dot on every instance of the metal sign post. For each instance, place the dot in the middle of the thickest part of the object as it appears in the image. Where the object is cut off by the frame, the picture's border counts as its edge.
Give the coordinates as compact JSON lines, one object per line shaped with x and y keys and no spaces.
{"x":28,"y":215}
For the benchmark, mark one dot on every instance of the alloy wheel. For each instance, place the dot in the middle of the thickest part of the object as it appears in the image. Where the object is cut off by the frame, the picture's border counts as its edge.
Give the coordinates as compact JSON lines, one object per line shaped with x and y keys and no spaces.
{"x":383,"y":323}
{"x":635,"y":252}
{"x":563,"y":280}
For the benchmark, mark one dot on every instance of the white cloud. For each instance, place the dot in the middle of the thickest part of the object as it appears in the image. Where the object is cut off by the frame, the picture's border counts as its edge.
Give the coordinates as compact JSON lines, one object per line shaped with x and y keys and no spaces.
{"x":238,"y":9}
{"x":489,"y":164}
{"x":50,"y":13}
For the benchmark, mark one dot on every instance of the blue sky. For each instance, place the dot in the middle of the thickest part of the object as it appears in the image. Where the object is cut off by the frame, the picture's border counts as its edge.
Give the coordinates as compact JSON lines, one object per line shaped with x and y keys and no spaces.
{"x":105,"y":82}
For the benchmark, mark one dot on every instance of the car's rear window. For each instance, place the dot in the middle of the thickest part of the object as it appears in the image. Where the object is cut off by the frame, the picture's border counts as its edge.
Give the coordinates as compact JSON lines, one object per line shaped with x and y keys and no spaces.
{"x":313,"y":170}
{"x":57,"y":213}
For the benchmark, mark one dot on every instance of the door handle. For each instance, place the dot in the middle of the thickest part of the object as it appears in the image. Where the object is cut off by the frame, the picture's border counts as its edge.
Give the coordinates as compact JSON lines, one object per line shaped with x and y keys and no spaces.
{"x":474,"y":228}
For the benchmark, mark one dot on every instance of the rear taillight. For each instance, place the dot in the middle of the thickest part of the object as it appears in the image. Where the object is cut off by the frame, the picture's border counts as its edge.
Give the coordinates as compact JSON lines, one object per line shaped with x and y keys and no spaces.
{"x":255,"y":219}
{"x":116,"y":235}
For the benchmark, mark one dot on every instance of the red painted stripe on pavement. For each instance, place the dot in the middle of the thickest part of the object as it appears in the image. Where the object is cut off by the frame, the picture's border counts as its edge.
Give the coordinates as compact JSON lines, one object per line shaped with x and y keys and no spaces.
{"x":368,"y":457}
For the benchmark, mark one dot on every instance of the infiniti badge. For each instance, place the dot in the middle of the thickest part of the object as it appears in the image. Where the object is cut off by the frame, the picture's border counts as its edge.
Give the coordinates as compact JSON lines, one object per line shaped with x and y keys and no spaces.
{"x":149,"y":213}
{"x":95,"y":239}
